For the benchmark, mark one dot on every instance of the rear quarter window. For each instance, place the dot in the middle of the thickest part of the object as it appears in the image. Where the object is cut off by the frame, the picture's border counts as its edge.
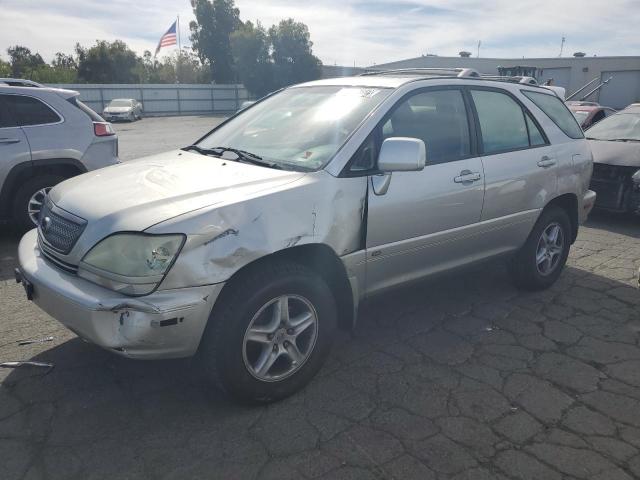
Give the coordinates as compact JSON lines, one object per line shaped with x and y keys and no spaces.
{"x":31,"y":111}
{"x":557,"y":111}
{"x":92,"y":115}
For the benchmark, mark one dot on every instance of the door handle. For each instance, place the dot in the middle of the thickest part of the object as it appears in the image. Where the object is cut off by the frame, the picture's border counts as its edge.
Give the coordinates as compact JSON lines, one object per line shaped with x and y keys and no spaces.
{"x":9,"y":140}
{"x":546,"y":162}
{"x":467,"y":176}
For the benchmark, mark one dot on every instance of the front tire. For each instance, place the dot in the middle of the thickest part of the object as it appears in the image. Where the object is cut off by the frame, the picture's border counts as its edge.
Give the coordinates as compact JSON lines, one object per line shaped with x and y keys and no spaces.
{"x":540,"y":261}
{"x":29,"y":199}
{"x":271,"y":332}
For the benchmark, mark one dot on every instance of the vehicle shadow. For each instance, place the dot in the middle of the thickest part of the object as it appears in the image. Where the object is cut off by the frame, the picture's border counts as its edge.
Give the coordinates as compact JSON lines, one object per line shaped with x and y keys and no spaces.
{"x":9,"y":239}
{"x":621,"y":223}
{"x":99,"y":413}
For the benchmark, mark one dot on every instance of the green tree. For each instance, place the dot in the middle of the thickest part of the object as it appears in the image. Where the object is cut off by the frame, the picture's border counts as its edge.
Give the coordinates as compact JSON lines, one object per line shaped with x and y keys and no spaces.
{"x":5,"y":68}
{"x":108,"y":62}
{"x":62,"y":60}
{"x":250,"y":46}
{"x":292,"y":53}
{"x":23,"y":61}
{"x":211,"y":33}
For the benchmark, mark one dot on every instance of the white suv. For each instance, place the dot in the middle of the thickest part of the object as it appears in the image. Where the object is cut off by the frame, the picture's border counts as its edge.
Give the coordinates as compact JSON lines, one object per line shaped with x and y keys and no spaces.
{"x":251,"y":246}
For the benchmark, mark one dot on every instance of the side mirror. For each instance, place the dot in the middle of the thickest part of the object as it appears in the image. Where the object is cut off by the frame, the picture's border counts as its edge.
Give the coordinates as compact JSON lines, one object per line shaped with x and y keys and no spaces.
{"x":401,"y":154}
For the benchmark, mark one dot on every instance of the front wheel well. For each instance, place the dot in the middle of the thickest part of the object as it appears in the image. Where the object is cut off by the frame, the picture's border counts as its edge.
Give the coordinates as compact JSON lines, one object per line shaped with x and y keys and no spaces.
{"x":569,"y":203}
{"x":23,"y":172}
{"x":321,"y":259}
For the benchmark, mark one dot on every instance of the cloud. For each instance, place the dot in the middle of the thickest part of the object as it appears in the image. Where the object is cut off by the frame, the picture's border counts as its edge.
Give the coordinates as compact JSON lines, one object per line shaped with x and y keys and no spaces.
{"x":347,"y":31}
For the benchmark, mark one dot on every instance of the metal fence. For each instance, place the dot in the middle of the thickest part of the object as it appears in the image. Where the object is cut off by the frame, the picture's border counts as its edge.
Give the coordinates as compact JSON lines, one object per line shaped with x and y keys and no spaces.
{"x":165,"y":99}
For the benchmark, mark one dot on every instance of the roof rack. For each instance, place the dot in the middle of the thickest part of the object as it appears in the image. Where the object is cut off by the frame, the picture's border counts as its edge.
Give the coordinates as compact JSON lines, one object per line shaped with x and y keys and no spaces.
{"x":513,"y":79}
{"x":19,"y":82}
{"x":435,"y":72}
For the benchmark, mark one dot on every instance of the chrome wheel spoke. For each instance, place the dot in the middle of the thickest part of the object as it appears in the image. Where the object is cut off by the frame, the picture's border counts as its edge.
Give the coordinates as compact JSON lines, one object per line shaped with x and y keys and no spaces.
{"x":267,"y":358}
{"x":294,"y":353}
{"x":300,"y":323}
{"x":258,"y":336}
{"x":281,"y":311}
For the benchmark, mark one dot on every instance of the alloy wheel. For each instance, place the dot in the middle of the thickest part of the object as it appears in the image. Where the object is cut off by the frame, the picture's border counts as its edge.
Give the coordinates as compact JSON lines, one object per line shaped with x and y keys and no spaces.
{"x":35,"y":204}
{"x":280,"y":338}
{"x":550,"y":249}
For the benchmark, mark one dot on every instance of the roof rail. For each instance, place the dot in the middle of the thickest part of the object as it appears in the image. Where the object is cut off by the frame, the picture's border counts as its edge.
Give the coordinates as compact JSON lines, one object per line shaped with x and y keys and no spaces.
{"x":19,"y":82}
{"x":435,"y":72}
{"x":513,"y":79}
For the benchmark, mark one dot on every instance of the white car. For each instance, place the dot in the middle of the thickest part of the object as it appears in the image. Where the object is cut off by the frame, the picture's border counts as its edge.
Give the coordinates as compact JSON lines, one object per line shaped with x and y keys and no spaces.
{"x":128,"y":109}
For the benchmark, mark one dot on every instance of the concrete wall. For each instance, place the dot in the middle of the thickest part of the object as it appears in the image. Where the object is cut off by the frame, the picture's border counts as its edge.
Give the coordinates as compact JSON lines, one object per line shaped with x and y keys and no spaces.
{"x":165,"y":99}
{"x":571,"y":72}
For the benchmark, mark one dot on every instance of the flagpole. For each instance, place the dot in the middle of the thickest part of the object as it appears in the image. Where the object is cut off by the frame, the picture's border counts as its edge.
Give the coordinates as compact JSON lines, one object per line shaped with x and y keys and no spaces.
{"x":179,"y":45}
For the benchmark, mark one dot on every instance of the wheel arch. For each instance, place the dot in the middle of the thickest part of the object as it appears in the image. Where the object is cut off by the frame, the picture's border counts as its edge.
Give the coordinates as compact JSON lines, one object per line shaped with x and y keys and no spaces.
{"x":569,"y":203}
{"x":67,"y":167}
{"x":320,"y":258}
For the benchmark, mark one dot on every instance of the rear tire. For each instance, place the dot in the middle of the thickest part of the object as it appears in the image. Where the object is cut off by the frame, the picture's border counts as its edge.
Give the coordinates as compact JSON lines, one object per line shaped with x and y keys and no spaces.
{"x":27,"y":196}
{"x":540,"y":261}
{"x":246,"y":331}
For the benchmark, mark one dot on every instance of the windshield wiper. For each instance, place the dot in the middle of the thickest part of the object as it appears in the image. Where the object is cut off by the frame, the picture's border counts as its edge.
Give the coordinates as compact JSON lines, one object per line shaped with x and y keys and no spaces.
{"x":243,"y":155}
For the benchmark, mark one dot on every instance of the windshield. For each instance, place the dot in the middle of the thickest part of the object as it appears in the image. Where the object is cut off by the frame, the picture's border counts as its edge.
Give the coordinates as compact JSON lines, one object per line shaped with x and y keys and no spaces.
{"x":580,"y":115}
{"x":622,"y":126}
{"x":298,"y":128}
{"x":120,"y":103}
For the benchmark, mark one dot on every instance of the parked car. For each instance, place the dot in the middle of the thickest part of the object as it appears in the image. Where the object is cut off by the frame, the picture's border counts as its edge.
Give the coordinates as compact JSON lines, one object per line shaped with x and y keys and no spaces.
{"x":46,"y":136}
{"x":123,"y":109}
{"x":588,"y":115}
{"x":615,"y":143}
{"x":252,"y":245}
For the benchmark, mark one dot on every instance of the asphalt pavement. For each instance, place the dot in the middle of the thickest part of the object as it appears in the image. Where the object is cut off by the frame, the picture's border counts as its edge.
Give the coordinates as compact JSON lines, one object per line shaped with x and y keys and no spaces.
{"x":462,"y":377}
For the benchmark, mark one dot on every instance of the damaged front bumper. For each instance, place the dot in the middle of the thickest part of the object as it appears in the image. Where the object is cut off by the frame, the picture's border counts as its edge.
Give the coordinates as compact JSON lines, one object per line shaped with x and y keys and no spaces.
{"x":617,"y":190}
{"x":165,"y":324}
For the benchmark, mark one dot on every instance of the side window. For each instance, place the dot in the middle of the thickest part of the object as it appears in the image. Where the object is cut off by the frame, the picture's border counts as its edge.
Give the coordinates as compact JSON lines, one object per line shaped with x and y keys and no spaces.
{"x":502,"y":121}
{"x":557,"y":111}
{"x":598,"y":116}
{"x":535,"y":135}
{"x":6,"y":119}
{"x":31,"y":111}
{"x":439,"y":118}
{"x":365,"y":158}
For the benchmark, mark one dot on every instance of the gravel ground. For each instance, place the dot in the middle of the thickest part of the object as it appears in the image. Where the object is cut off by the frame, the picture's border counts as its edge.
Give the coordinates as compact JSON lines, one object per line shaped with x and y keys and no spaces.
{"x":459,"y":378}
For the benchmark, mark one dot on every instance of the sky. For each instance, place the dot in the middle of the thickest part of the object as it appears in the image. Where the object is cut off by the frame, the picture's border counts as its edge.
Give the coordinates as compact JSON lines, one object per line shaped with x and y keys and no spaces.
{"x":346,"y":32}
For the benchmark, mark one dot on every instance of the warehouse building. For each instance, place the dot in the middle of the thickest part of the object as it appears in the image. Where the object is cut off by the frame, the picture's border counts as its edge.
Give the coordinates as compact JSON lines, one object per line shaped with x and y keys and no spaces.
{"x":568,"y":72}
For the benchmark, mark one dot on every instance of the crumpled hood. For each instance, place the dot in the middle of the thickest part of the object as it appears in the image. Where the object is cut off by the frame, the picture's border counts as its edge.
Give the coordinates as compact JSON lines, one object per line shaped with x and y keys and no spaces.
{"x":138,"y":194}
{"x":117,"y":109}
{"x":625,"y":154}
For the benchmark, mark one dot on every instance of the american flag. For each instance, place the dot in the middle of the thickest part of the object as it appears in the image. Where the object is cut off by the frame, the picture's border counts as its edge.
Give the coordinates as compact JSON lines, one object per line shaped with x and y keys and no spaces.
{"x":168,"y":38}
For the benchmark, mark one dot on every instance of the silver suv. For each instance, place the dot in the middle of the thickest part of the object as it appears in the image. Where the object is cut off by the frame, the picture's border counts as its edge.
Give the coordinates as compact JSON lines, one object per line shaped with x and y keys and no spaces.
{"x":253,"y":245}
{"x":46,"y":135}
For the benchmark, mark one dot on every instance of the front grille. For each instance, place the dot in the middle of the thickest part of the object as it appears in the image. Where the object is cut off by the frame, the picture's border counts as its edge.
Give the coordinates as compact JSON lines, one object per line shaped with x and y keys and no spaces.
{"x":60,"y":230}
{"x":51,"y":257}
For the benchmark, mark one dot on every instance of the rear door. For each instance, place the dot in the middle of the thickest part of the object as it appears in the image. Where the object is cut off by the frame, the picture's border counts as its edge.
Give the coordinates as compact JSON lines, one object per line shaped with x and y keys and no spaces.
{"x":520,"y":167}
{"x":14,"y":147}
{"x":425,"y":221}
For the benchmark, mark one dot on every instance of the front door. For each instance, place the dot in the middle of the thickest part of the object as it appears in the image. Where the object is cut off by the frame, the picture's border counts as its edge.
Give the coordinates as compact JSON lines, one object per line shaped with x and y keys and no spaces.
{"x":425,"y":221}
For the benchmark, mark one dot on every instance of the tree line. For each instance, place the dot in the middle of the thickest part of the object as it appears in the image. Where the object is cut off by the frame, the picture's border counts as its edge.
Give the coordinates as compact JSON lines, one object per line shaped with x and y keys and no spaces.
{"x":224,"y":50}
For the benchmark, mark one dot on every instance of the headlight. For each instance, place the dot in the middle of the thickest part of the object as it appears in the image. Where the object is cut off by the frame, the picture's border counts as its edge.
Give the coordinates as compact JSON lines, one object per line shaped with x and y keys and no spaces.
{"x":131,"y":263}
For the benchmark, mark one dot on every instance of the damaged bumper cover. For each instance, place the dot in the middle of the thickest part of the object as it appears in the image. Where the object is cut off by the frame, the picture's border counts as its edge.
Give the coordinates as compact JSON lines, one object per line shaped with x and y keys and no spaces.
{"x":165,"y":324}
{"x":618,"y":187}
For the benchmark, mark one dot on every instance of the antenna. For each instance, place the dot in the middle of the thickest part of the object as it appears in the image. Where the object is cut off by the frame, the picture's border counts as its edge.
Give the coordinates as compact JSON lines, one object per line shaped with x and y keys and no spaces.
{"x":562,"y":45}
{"x":479,"y":43}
